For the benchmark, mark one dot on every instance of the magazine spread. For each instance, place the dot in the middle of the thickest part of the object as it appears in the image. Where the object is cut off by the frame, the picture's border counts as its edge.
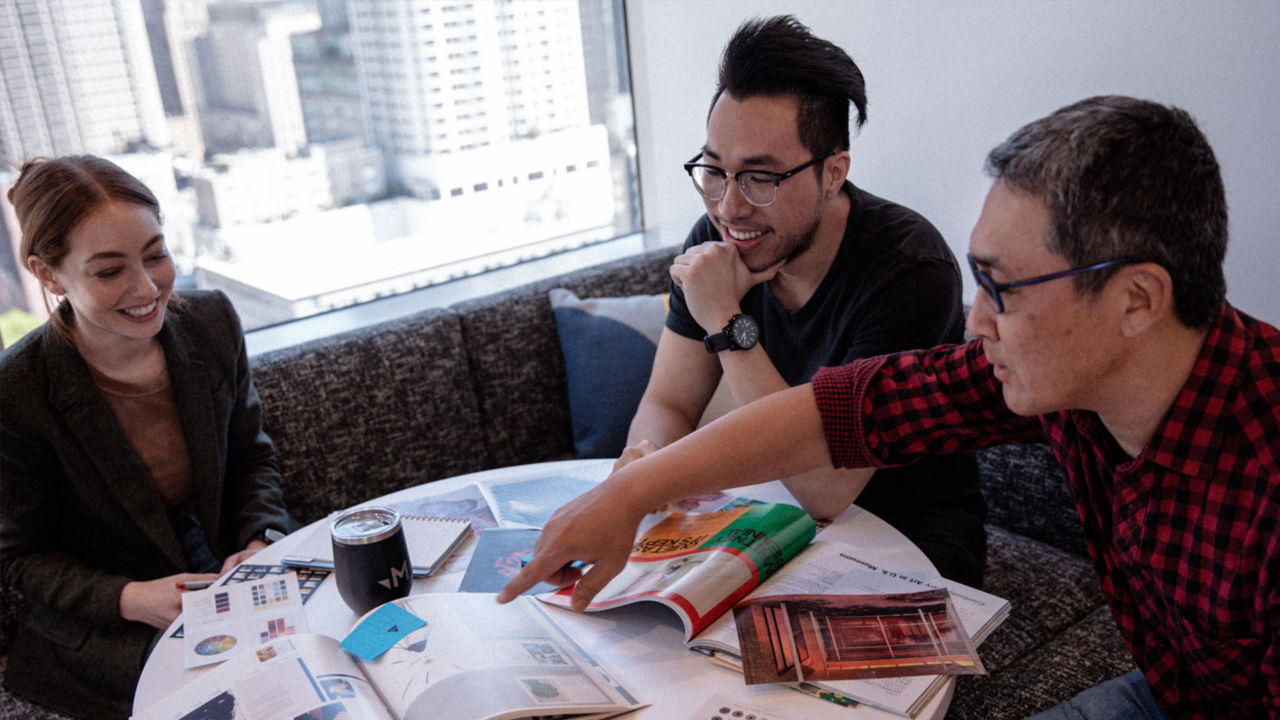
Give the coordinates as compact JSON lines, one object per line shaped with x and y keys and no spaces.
{"x":472,"y":659}
{"x":836,"y":568}
{"x":701,"y":564}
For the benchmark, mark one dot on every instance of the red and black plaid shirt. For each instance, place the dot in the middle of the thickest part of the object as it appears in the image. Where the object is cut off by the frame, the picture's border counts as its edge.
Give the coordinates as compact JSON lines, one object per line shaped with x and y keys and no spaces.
{"x":1185,"y":537}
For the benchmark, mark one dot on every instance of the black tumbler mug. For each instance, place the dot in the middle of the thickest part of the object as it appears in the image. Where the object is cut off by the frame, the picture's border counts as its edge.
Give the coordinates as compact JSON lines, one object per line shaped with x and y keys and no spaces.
{"x":370,"y":557}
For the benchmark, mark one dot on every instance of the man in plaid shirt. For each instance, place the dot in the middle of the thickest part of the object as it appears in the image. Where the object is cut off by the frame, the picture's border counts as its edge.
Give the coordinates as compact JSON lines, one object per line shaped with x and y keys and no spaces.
{"x":1160,"y":401}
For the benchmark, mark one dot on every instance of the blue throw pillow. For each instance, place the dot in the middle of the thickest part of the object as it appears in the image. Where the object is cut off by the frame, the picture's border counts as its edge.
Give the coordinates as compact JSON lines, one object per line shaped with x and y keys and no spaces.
{"x":608,"y":346}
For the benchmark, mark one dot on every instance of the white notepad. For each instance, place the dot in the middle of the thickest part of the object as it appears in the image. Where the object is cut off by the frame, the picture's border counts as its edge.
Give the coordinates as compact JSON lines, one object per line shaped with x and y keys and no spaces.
{"x":431,"y":541}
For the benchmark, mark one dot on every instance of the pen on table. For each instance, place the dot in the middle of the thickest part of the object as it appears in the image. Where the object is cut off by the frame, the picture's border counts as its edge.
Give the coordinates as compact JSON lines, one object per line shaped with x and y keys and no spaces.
{"x":194,"y":584}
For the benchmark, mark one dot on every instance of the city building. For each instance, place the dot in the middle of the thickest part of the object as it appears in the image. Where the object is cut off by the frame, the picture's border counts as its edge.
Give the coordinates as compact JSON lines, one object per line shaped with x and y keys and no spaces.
{"x":172,"y":28}
{"x":328,"y":84}
{"x":77,"y":77}
{"x":259,"y":186}
{"x":329,"y":152}
{"x":262,"y":186}
{"x":521,"y":201}
{"x":442,"y":78}
{"x":250,"y":90}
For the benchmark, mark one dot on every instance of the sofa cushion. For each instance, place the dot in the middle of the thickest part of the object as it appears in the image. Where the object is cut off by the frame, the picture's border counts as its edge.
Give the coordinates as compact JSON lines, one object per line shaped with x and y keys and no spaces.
{"x":1027,"y":493}
{"x":516,"y":362}
{"x":1048,"y":590}
{"x":1086,"y":653}
{"x":608,"y":346}
{"x":367,"y":412}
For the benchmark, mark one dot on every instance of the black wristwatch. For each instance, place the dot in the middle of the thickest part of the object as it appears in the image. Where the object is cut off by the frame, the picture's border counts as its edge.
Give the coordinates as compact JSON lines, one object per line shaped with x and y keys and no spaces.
{"x":741,"y":333}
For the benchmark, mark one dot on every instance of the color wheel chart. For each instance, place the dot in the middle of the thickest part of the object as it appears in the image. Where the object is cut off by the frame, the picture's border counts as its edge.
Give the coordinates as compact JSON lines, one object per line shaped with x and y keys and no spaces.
{"x":215,"y":645}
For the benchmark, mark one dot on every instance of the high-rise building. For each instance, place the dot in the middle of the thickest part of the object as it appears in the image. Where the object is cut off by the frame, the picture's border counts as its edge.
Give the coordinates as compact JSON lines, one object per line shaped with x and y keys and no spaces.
{"x":604,"y":45}
{"x":172,"y":28}
{"x":250,"y":86}
{"x":451,"y":77}
{"x":328,"y":84}
{"x":76,"y":76}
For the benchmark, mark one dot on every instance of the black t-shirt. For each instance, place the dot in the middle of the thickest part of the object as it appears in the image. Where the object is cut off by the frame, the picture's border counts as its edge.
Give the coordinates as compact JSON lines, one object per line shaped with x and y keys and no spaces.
{"x":893,"y":285}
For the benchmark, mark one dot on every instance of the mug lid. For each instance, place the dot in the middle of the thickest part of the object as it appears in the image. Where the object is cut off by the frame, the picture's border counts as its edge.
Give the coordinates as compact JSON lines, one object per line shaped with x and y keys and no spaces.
{"x":362,"y":526}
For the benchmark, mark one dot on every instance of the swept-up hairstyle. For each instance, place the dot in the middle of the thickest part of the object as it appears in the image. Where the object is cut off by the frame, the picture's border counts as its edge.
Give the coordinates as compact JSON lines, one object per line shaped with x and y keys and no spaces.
{"x":779,"y":56}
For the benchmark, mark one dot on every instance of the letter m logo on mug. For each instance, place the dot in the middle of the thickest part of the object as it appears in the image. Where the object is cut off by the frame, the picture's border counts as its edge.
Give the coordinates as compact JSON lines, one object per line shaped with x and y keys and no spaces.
{"x":397,"y":575}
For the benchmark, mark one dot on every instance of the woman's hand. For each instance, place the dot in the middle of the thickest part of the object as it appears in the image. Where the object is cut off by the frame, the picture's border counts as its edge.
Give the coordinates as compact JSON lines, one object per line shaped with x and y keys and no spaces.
{"x":249,"y":551}
{"x":156,"y":602}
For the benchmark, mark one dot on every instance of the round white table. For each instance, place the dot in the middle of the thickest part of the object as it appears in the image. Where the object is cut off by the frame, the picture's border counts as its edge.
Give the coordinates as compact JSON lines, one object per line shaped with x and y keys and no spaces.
{"x":643,"y":642}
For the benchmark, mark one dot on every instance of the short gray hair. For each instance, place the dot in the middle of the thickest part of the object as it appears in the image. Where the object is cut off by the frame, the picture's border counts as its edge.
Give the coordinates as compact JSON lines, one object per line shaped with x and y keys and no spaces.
{"x":1124,"y":177}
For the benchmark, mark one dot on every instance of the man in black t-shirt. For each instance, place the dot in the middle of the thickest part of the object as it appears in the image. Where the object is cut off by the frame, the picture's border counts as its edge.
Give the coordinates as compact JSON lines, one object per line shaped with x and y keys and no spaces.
{"x":793,"y":268}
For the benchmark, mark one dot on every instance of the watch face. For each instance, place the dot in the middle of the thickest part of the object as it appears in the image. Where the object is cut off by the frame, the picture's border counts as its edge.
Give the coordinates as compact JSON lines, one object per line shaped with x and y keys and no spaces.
{"x":744,"y":332}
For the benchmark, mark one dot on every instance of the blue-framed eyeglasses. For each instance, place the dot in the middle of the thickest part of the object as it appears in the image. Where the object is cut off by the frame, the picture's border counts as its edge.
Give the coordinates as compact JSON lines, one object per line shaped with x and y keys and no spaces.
{"x":993,"y":288}
{"x":759,"y":187}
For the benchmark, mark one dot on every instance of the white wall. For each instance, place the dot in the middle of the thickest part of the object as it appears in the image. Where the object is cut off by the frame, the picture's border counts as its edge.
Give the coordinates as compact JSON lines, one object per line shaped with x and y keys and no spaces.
{"x":947,"y":81}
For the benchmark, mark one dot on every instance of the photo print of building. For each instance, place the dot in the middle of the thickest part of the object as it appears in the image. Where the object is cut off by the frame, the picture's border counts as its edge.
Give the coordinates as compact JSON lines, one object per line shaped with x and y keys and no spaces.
{"x":795,"y":638}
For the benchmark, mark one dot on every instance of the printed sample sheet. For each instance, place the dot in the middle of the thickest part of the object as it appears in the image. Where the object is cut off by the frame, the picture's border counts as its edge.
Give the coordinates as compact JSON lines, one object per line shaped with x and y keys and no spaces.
{"x":226,"y":620}
{"x":309,"y":580}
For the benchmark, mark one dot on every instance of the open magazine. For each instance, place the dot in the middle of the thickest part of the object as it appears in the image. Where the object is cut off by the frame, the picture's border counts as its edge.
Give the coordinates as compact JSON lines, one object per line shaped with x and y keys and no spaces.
{"x":472,"y":659}
{"x":837,"y":568}
{"x":701,"y":564}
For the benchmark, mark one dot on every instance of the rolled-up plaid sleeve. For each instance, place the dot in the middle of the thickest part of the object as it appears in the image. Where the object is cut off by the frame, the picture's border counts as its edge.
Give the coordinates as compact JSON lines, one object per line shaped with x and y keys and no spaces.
{"x":895,"y":409}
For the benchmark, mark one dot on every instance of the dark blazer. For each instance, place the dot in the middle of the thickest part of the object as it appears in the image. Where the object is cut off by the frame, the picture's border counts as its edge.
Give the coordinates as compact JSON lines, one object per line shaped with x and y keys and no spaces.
{"x":80,"y":515}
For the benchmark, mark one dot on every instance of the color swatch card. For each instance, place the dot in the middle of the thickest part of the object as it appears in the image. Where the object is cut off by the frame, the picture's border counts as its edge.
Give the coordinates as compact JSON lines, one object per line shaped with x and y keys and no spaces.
{"x":228,"y":619}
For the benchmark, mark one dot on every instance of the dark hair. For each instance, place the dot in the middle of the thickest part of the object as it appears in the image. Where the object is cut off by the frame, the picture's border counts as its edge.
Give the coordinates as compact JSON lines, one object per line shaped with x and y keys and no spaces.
{"x":1123,"y":177}
{"x":779,"y":56}
{"x":52,"y":196}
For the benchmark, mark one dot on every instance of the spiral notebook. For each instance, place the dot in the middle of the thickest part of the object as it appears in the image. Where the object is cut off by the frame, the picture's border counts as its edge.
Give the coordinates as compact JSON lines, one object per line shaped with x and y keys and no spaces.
{"x":431,"y":541}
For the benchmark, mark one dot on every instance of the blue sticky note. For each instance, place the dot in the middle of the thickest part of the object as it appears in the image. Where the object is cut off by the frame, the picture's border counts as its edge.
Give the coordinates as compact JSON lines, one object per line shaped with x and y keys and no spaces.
{"x":528,"y":558}
{"x":384,"y":628}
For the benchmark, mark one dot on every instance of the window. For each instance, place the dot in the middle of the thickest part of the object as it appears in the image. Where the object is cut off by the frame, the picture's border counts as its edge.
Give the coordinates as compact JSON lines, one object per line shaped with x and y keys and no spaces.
{"x":297,"y":181}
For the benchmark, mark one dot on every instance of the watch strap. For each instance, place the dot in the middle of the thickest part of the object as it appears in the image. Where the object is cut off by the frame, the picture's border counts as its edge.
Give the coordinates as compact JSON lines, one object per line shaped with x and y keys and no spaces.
{"x":718,"y":342}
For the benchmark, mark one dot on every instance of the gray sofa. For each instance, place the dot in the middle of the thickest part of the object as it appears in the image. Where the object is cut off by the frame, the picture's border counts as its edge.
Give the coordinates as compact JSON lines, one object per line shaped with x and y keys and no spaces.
{"x":481,"y":384}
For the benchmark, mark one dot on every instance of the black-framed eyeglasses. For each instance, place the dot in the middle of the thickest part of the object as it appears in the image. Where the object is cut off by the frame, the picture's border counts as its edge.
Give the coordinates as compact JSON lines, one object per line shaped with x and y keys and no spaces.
{"x":993,"y":288}
{"x":759,"y":187}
